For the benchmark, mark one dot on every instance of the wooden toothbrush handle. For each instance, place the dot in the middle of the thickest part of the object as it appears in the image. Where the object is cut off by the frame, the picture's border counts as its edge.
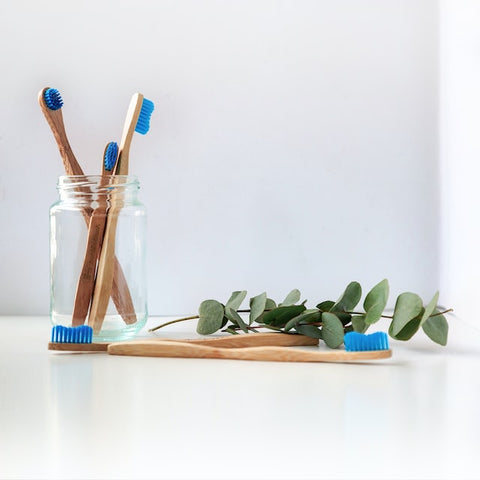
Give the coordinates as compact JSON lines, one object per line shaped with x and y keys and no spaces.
{"x":224,"y":342}
{"x":120,"y":292}
{"x":105,"y":273}
{"x":86,"y":280}
{"x":55,"y":121}
{"x":253,"y":340}
{"x":155,"y":348}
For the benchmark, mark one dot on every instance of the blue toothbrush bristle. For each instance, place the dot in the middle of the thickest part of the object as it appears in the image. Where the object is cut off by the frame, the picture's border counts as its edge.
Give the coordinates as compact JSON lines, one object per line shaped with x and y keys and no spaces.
{"x":359,"y":342}
{"x":111,"y":154}
{"x":80,"y":334}
{"x":143,"y":122}
{"x":53,"y":99}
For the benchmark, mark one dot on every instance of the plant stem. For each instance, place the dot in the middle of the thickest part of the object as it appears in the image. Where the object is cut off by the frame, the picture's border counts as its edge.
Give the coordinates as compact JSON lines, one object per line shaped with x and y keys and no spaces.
{"x":441,"y":313}
{"x":249,"y":328}
{"x":391,"y":316}
{"x":267,"y":326}
{"x":173,"y":321}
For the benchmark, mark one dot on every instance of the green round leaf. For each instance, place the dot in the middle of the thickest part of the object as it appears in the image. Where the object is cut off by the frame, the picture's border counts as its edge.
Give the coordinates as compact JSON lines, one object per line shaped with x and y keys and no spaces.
{"x":345,"y":318}
{"x":437,"y":329}
{"x":269,"y":304}
{"x":279,"y":316}
{"x":429,"y":309}
{"x":309,"y":330}
{"x":236,"y":318}
{"x":210,"y":317}
{"x":376,"y":301}
{"x":257,"y":306}
{"x":326,"y":305}
{"x":308,"y":316}
{"x":407,"y":332}
{"x":407,"y":307}
{"x":224,"y":321}
{"x":349,"y":299}
{"x":292,"y":298}
{"x":232,"y":331}
{"x":358,"y":323}
{"x":332,"y":330}
{"x":236,"y":300}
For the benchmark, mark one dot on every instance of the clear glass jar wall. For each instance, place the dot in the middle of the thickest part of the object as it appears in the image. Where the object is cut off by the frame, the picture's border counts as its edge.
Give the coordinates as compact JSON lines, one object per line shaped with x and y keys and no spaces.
{"x":103,"y":280}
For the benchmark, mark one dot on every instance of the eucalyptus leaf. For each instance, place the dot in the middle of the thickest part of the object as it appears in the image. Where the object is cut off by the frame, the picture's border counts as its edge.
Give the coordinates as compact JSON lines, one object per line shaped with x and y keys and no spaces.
{"x":376,"y":301}
{"x":225,"y":320}
{"x":429,"y":309}
{"x":408,"y":330}
{"x":232,"y":331}
{"x":279,"y":316}
{"x":345,"y":318}
{"x":257,"y":306}
{"x":292,"y":298}
{"x":277,"y":329}
{"x":358,"y":323}
{"x":332,"y":330}
{"x":236,"y":300}
{"x":326,"y":305}
{"x":349,"y":299}
{"x":234,"y":316}
{"x":437,"y":329}
{"x":309,"y":330}
{"x":270,"y":304}
{"x":310,"y":315}
{"x":210,"y":318}
{"x":407,"y":307}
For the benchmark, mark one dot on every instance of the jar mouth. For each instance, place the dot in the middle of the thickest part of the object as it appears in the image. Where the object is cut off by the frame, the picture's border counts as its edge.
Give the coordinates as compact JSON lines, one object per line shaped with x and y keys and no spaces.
{"x":84,"y":180}
{"x":84,"y":186}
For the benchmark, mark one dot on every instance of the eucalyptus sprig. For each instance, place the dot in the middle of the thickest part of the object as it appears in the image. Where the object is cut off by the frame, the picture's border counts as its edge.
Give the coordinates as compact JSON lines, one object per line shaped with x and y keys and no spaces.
{"x":329,"y":320}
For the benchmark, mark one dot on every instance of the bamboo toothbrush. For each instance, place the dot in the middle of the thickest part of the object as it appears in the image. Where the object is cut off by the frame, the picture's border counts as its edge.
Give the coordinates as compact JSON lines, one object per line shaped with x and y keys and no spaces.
{"x":152,"y":348}
{"x":96,"y":229}
{"x":51,"y":103}
{"x":262,"y":346}
{"x":79,"y":339}
{"x":137,"y":119}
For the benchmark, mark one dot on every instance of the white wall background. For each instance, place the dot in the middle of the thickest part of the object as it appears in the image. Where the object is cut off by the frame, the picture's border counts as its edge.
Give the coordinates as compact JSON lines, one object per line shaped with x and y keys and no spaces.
{"x":460,"y":154}
{"x":294,"y":143}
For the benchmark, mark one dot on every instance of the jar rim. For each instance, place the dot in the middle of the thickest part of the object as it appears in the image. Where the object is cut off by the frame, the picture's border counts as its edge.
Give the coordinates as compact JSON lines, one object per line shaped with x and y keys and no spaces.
{"x":73,"y":178}
{"x":96,"y":184}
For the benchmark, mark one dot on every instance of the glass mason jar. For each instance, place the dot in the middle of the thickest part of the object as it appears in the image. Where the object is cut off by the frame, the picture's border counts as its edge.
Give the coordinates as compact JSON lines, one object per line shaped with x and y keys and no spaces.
{"x":97,"y":256}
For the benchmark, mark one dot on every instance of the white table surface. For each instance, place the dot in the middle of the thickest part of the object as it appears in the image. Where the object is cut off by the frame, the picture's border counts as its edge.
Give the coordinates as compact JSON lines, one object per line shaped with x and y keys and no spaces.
{"x":83,"y":416}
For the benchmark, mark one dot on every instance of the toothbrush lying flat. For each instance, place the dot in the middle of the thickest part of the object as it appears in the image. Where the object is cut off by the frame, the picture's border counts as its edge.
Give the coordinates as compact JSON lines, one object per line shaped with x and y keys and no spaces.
{"x":96,"y":229}
{"x":79,"y":339}
{"x":152,"y":348}
{"x":137,"y":119}
{"x":51,"y":104}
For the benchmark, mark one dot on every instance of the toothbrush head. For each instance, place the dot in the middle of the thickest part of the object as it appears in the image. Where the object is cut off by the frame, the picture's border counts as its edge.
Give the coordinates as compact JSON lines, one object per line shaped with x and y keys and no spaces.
{"x":143,"y":122}
{"x":359,"y":342}
{"x":53,"y":99}
{"x":80,"y":334}
{"x":111,"y":155}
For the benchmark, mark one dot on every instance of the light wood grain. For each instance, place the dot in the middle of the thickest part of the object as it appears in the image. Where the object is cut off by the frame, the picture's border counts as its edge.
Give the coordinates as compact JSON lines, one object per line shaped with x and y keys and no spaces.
{"x":106,"y":267}
{"x":119,"y":292}
{"x":266,"y":353}
{"x":131,"y":119}
{"x":55,"y":121}
{"x":234,"y":341}
{"x":96,"y":229}
{"x":78,"y":347}
{"x":253,"y":340}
